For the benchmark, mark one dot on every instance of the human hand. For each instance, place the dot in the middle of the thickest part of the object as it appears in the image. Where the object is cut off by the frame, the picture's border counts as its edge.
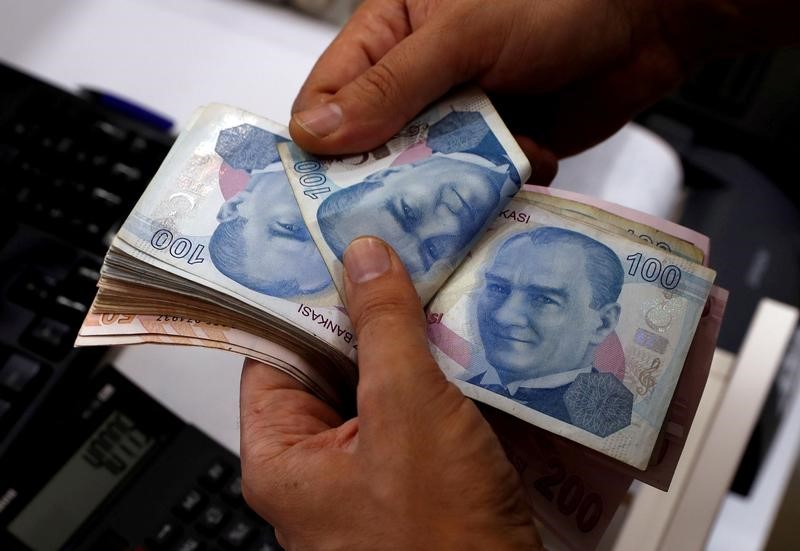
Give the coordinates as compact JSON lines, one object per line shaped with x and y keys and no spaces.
{"x":419,"y":468}
{"x":564,"y":75}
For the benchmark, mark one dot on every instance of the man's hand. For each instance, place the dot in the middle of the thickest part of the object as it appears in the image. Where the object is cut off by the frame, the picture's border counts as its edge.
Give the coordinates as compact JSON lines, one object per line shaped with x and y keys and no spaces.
{"x":564,"y":75}
{"x":419,"y":468}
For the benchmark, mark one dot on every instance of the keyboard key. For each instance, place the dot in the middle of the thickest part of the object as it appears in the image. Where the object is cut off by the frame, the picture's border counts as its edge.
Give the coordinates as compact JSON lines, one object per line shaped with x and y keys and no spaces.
{"x":65,"y":145}
{"x":167,"y":534}
{"x":238,"y":534}
{"x":69,"y":310}
{"x":48,"y":337}
{"x":266,"y":542}
{"x":81,"y":285}
{"x":18,"y":373}
{"x":126,"y":173}
{"x":32,"y":289}
{"x":103,"y":198}
{"x":105,"y":129}
{"x":190,"y":543}
{"x":138,"y":145}
{"x":26,"y":130}
{"x":215,"y":475}
{"x":99,"y":162}
{"x":232,"y":492}
{"x":190,"y":505}
{"x":212,"y":519}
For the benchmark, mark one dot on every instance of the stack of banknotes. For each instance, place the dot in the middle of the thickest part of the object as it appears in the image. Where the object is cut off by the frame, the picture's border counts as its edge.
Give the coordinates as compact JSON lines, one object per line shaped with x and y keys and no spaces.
{"x":584,"y":329}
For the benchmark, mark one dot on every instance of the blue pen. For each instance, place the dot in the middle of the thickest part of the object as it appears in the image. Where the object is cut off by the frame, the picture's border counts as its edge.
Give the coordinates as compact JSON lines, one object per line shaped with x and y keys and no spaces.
{"x":129,"y":109}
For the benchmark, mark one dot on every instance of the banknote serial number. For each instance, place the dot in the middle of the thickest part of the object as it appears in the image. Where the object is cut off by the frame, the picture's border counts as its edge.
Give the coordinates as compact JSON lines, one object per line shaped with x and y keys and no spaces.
{"x":312,"y":179}
{"x":651,"y":270}
{"x":179,"y":248}
{"x":569,"y":494}
{"x":168,"y":318}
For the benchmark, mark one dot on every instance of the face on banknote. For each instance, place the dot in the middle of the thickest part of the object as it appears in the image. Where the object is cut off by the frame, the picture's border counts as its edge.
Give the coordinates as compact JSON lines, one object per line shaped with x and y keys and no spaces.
{"x":261,"y":242}
{"x":220,"y":213}
{"x":429,"y":192}
{"x":570,"y":328}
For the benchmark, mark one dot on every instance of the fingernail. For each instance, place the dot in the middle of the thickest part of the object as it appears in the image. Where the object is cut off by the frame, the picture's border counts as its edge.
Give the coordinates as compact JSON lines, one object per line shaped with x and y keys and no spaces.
{"x":366,"y":258}
{"x":320,"y":121}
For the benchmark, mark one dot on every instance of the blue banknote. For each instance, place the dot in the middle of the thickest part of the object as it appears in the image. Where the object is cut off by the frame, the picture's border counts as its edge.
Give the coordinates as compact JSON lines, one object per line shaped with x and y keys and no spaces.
{"x":429,"y":192}
{"x":578,"y":328}
{"x":220,"y":213}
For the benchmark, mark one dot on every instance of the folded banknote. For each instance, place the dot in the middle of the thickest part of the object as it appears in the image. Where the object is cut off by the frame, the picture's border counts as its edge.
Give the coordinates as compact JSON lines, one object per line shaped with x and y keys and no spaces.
{"x":430,"y":191}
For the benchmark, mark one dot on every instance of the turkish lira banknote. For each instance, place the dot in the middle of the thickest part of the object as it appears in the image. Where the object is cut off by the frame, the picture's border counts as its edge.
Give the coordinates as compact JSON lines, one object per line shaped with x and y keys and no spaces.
{"x":218,"y":224}
{"x":430,"y":192}
{"x":570,"y":325}
{"x":669,"y":236}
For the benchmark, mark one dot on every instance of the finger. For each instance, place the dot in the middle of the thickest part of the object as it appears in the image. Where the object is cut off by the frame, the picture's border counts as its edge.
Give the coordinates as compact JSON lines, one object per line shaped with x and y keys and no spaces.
{"x":370,"y":109}
{"x":374,"y":28}
{"x":277,"y":412}
{"x":395,"y":366}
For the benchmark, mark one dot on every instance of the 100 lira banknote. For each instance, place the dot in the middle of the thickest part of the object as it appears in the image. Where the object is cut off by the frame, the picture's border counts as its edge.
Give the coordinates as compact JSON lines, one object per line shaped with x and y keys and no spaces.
{"x":430,"y":192}
{"x":220,"y":213}
{"x":569,"y":326}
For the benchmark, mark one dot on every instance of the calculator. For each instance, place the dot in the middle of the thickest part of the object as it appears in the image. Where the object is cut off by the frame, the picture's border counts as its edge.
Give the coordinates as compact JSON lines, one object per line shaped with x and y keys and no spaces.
{"x":115,"y":471}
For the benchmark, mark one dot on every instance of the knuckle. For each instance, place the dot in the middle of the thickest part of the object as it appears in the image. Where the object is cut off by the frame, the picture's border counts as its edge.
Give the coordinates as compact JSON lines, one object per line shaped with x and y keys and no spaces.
{"x":380,"y":83}
{"x":382,"y":20}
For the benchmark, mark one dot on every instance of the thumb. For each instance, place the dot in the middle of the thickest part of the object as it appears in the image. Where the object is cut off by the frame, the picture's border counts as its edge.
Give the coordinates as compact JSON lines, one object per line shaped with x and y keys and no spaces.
{"x":367,"y":111}
{"x":396,"y":369}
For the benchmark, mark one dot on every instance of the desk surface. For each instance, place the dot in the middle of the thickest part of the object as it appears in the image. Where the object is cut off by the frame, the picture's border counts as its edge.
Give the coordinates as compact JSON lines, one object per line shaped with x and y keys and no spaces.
{"x":171,"y":55}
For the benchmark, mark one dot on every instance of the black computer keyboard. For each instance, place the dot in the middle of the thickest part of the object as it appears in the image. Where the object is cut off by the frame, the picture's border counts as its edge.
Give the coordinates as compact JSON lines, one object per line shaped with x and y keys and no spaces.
{"x":70,"y":171}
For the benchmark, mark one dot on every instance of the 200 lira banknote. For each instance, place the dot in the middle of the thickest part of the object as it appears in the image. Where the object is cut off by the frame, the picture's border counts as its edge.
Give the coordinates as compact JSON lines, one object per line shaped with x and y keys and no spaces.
{"x":430,"y":192}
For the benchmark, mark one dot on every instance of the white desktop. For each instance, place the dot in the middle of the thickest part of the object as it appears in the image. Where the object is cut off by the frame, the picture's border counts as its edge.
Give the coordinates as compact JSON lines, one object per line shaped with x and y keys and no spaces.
{"x":175,"y":55}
